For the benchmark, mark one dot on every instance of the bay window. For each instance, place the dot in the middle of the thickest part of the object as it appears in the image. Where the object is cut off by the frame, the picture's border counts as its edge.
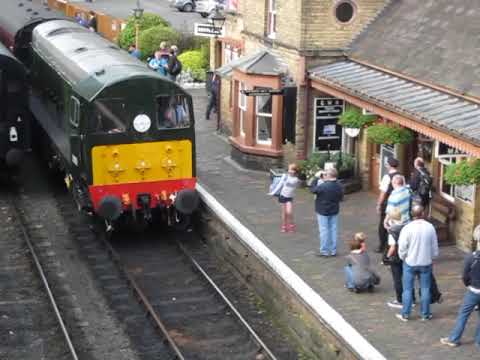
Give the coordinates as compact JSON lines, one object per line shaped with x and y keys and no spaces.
{"x":242,"y":107}
{"x":263,"y":119}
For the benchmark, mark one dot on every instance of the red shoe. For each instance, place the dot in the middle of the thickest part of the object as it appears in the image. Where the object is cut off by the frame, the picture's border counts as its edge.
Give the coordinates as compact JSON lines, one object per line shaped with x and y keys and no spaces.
{"x":291,"y":227}
{"x":284,"y":228}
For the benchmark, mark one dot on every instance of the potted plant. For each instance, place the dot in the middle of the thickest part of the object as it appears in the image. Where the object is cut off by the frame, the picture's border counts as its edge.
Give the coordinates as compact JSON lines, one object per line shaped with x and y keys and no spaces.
{"x":389,"y":134}
{"x":353,"y":120}
{"x":465,"y":172}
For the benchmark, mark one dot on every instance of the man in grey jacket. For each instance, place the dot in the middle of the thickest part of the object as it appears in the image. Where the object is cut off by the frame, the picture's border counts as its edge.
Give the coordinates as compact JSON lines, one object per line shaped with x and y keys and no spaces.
{"x":417,"y":247}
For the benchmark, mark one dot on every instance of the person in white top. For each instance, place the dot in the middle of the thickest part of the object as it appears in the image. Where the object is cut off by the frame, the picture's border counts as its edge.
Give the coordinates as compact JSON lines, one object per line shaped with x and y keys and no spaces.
{"x":286,"y":191}
{"x":417,"y":247}
{"x":385,"y":190}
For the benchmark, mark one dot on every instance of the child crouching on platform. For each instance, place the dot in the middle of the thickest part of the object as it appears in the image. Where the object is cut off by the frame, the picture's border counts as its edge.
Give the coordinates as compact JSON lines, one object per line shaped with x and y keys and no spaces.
{"x":358,"y":273}
{"x":285,"y":190}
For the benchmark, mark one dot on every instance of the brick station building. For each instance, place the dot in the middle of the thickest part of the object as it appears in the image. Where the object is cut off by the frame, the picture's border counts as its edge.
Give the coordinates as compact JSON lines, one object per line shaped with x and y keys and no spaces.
{"x":412,"y":63}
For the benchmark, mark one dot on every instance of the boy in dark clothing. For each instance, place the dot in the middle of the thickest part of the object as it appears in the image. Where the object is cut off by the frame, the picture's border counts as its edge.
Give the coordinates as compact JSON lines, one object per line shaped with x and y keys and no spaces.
{"x":92,"y":23}
{"x":471,"y":279}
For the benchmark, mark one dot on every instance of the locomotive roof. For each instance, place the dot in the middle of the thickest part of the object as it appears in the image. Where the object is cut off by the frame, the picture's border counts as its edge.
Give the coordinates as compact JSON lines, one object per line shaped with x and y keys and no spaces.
{"x":10,"y":63}
{"x":87,"y":61}
{"x":16,"y":14}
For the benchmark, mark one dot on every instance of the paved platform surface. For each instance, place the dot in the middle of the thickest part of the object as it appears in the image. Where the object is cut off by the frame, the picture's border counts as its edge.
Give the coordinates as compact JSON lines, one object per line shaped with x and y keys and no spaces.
{"x":122,"y":9}
{"x":244,"y":194}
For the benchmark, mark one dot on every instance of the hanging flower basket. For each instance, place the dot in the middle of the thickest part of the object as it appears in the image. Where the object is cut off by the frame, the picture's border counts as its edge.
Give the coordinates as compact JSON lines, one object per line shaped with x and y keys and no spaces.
{"x":389,"y":134}
{"x":352,"y":132}
{"x":352,"y":118}
{"x":465,"y":172}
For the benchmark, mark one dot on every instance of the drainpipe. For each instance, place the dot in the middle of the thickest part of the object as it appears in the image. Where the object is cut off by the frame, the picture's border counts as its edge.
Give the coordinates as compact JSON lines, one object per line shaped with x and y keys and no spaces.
{"x":306,"y":118}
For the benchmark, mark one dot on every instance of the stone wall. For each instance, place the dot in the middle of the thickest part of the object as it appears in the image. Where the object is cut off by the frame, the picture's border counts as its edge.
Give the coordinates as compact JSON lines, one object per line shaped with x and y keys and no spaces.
{"x":321,"y":29}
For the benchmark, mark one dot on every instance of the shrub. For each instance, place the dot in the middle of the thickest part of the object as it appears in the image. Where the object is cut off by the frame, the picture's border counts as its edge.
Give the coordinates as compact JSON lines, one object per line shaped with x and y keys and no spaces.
{"x":151,"y":38}
{"x":127,"y":36}
{"x":308,"y":168}
{"x":386,"y":134}
{"x":194,"y":62}
{"x":344,"y":163}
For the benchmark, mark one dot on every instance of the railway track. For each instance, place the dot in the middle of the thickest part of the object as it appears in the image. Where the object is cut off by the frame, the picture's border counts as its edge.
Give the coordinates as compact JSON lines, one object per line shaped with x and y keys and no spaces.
{"x":197,"y":314}
{"x":31,"y":324}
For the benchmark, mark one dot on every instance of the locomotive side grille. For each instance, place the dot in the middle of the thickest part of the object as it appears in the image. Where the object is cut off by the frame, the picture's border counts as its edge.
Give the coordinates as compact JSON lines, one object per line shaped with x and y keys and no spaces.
{"x":141,"y":162}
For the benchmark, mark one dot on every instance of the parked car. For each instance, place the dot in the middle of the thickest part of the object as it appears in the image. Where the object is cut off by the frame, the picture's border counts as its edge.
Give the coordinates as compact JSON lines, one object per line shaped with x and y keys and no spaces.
{"x":183,"y":5}
{"x":207,"y":7}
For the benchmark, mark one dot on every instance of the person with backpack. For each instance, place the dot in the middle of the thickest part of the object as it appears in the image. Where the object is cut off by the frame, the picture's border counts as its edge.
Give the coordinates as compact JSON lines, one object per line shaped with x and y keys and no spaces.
{"x":284,"y":188}
{"x":471,"y":300}
{"x":386,"y":189}
{"x":174,"y":66}
{"x":421,"y":183}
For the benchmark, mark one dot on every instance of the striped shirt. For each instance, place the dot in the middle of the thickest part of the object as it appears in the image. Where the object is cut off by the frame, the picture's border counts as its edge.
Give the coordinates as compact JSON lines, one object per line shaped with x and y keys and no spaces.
{"x":400,"y":198}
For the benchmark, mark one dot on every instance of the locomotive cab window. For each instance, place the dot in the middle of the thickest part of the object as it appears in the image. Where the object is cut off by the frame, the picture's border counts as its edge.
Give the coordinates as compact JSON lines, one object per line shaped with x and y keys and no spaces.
{"x":74,"y":111}
{"x":110,"y":116}
{"x":173,"y":112}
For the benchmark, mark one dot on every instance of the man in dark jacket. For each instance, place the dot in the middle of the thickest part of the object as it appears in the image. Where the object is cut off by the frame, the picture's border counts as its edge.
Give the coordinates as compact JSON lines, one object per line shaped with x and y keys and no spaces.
{"x":212,"y":95}
{"x":329,"y":193}
{"x":420,"y":182}
{"x":471,"y":279}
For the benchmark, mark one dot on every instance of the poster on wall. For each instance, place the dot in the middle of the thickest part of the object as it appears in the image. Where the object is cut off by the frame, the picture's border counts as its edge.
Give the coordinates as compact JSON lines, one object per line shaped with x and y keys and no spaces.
{"x":328,"y":134}
{"x":465,"y":192}
{"x":232,"y":5}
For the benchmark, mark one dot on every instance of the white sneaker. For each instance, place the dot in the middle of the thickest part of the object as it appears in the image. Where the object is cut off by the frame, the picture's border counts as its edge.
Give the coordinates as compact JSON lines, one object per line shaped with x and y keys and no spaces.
{"x":395,"y":304}
{"x":401,"y":317}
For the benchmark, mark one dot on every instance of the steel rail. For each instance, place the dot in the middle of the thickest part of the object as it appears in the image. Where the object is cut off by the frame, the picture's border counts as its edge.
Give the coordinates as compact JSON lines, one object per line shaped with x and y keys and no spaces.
{"x":44,"y":281}
{"x":260,"y":343}
{"x":143,"y":299}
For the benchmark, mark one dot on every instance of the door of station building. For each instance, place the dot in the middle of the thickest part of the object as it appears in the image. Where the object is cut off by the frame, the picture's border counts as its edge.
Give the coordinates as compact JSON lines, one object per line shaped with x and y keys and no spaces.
{"x":378,"y":163}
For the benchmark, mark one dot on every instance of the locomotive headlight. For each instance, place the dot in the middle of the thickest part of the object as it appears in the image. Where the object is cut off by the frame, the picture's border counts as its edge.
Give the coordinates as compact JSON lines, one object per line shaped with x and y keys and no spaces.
{"x":142,"y":123}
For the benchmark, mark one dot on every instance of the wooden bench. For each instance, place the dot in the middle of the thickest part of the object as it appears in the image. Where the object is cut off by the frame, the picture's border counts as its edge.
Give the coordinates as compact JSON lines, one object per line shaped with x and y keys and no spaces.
{"x":442,"y":212}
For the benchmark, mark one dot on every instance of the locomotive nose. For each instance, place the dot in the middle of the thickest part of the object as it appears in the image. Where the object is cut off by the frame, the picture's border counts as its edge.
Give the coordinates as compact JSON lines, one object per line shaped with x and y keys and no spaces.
{"x":186,"y":201}
{"x":110,"y":207}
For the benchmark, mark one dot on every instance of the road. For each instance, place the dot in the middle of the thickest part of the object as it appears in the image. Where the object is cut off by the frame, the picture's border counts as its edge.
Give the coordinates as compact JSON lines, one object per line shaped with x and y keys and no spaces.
{"x":180,"y":21}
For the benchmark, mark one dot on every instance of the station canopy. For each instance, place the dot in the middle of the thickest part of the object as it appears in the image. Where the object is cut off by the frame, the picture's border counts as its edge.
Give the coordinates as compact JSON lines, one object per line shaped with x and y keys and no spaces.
{"x":261,"y":62}
{"x":430,"y":107}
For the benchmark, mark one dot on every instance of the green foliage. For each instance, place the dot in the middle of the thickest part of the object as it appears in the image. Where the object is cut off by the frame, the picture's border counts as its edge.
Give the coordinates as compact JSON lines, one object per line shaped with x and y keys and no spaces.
{"x":308,"y":168}
{"x":150,"y":39}
{"x":194,"y":62}
{"x":188,"y":41}
{"x":353,"y":118}
{"x":127,"y":36}
{"x":465,"y":172}
{"x":387,"y":134}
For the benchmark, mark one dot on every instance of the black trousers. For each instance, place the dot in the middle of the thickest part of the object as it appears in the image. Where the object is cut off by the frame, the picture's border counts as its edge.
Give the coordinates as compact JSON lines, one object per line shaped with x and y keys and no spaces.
{"x":382,"y":233}
{"x":212,"y":104}
{"x":397,"y":271}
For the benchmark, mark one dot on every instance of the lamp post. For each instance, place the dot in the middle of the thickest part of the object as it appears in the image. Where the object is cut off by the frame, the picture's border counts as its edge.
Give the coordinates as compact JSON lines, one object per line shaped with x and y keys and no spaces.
{"x":137,"y":14}
{"x":217,"y":19}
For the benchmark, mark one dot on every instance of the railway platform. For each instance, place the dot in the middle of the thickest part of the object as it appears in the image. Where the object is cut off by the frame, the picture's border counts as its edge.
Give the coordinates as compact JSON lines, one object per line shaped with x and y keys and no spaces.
{"x":244,"y":194}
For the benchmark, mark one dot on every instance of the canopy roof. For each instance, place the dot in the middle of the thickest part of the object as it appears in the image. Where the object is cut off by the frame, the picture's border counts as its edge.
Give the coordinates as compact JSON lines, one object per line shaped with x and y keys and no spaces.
{"x":437,"y":109}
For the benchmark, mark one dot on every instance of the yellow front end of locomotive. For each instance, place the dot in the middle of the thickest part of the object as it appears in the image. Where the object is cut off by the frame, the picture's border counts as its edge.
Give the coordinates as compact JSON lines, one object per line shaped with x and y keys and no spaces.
{"x":141,"y":162}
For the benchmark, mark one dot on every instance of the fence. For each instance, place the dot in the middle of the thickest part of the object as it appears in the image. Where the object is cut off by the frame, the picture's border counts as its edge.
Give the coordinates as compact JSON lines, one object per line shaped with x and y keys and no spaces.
{"x":107,"y":25}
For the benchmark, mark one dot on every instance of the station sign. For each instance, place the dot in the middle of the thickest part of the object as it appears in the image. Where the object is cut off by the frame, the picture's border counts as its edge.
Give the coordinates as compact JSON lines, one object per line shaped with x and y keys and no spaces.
{"x":262,"y":92}
{"x":208,"y":30}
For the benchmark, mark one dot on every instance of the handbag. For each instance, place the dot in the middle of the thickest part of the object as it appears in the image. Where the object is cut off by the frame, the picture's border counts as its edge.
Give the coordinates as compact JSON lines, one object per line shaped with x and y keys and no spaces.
{"x":277,"y":185}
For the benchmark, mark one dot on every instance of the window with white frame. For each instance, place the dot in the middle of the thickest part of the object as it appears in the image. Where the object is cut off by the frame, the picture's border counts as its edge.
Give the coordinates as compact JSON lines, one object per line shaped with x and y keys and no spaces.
{"x":263,"y":115}
{"x":242,"y":107}
{"x":230,"y":53}
{"x":448,"y":156}
{"x":272,"y":19}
